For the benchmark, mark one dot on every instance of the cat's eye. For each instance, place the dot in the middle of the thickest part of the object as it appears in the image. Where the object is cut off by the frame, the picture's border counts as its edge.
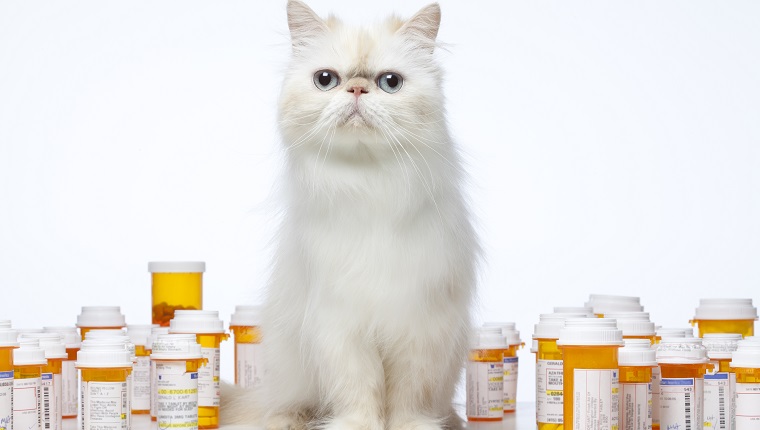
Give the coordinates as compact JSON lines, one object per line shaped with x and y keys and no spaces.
{"x":390,"y":82}
{"x":326,"y":80}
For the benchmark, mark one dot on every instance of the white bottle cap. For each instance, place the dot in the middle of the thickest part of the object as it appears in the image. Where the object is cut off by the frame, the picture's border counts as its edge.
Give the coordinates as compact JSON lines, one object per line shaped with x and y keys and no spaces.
{"x":664,"y":332}
{"x":488,"y":338}
{"x":681,"y":350}
{"x":138,"y":333}
{"x":197,"y":322}
{"x":725,"y":309}
{"x":747,"y":354}
{"x":549,"y":325}
{"x":51,"y":343}
{"x":29,"y":353}
{"x":71,"y":337}
{"x":175,"y":347}
{"x":5,"y":324}
{"x":508,"y":330}
{"x":590,"y":332}
{"x":688,"y":331}
{"x":8,"y":338}
{"x":246,"y":316}
{"x":154,"y":332}
{"x":23,"y":331}
{"x":633,"y":323}
{"x":176,"y":267}
{"x":584,"y":310}
{"x":720,"y":345}
{"x":103,"y":353}
{"x":637,"y":352}
{"x":110,"y":336}
{"x":101,"y":316}
{"x":602,"y":304}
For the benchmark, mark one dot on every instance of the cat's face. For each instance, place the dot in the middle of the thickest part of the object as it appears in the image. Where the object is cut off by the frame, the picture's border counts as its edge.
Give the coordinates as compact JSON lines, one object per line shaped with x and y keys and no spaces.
{"x":358,"y":92}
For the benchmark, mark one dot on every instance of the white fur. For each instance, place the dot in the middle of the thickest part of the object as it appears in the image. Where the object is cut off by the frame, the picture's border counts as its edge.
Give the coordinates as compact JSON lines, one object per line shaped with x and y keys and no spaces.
{"x":368,"y":309}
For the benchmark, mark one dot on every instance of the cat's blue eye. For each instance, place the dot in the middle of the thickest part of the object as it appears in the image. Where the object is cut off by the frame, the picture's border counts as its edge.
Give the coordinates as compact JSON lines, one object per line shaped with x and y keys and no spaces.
{"x":390,"y":82}
{"x":326,"y":80}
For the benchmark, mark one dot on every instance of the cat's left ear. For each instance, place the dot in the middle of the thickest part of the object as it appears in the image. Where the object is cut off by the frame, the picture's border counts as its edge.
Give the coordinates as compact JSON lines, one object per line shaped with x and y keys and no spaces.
{"x":303,"y":23}
{"x":423,"y":26}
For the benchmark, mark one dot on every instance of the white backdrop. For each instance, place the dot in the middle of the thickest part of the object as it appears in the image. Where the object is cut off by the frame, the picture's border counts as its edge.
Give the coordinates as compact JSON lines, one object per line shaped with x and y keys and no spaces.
{"x":614,"y":147}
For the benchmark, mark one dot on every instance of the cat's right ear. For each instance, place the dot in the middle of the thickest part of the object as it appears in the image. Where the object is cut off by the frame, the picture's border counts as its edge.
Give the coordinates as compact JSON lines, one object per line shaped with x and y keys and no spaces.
{"x":303,"y":23}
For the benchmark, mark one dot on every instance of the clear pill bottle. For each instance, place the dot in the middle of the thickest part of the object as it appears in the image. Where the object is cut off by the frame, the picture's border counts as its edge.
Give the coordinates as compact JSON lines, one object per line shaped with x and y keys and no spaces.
{"x":245,"y":325}
{"x":8,"y":342}
{"x":104,"y":367}
{"x":175,"y":285}
{"x":636,"y":360}
{"x":138,"y":335}
{"x":52,"y":378}
{"x":683,"y":363}
{"x":604,"y":304}
{"x":720,"y":384}
{"x":549,"y":385}
{"x":746,"y":365}
{"x":209,"y":332}
{"x":590,"y":372}
{"x":725,"y":316}
{"x":100,"y":318}
{"x":154,"y":333}
{"x":485,"y":375}
{"x":69,"y":380}
{"x":511,"y":362}
{"x":28,"y":361}
{"x":177,"y":358}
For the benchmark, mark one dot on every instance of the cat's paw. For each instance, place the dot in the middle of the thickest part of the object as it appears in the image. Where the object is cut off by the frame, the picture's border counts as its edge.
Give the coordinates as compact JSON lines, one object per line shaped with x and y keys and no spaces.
{"x":419,"y":423}
{"x":353,"y":422}
{"x":285,"y":422}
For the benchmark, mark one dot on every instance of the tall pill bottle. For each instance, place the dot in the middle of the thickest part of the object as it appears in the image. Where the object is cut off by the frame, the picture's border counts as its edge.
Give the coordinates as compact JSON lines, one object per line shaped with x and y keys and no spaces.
{"x":120,"y":336}
{"x":209,"y":332}
{"x":511,"y":362}
{"x":28,"y":361}
{"x":100,"y":318}
{"x":154,"y":333}
{"x":725,"y":316}
{"x":549,"y":386}
{"x":52,"y":378}
{"x":177,"y":358}
{"x":746,"y":365}
{"x":69,"y":379}
{"x":683,"y":363}
{"x":590,"y":372}
{"x":720,"y":384}
{"x":604,"y":304}
{"x":245,"y":325}
{"x":138,"y":335}
{"x":485,"y":375}
{"x":636,"y":360}
{"x":175,"y":285}
{"x":660,"y":332}
{"x":8,"y":342}
{"x":104,"y":367}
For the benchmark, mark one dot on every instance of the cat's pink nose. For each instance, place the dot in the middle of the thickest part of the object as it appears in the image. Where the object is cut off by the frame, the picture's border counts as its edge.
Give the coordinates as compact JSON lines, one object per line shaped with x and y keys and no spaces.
{"x":357,"y":90}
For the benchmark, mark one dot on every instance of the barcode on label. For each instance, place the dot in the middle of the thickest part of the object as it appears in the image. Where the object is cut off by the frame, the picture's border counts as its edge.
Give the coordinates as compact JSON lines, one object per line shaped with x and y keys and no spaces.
{"x":46,"y":406}
{"x":722,"y":407}
{"x":687,"y":409}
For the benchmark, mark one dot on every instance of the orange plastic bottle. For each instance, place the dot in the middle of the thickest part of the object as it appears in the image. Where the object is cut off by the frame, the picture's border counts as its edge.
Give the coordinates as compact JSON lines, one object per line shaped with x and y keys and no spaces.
{"x":720,"y":385}
{"x":244,"y":323}
{"x":746,"y":365}
{"x":8,"y":342}
{"x":485,"y":375}
{"x":683,"y":364}
{"x":100,"y":317}
{"x":725,"y":316}
{"x":636,"y":360}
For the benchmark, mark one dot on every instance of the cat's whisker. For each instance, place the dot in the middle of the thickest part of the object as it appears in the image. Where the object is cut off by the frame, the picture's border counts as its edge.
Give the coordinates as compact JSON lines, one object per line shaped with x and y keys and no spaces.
{"x":306,"y":136}
{"x":399,"y":159}
{"x":405,"y":134}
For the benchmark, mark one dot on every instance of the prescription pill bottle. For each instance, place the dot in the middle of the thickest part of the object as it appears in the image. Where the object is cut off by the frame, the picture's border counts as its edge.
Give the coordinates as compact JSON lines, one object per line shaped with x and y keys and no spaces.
{"x":604,"y":304}
{"x":8,"y":342}
{"x":175,"y":285}
{"x":746,"y":365}
{"x":100,"y":317}
{"x":209,"y":331}
{"x":120,"y":336}
{"x":590,"y":372}
{"x":660,"y":332}
{"x":177,"y":358}
{"x":683,"y":363}
{"x":104,"y":367}
{"x":720,"y":384}
{"x":725,"y":316}
{"x":52,"y":380}
{"x":28,"y":361}
{"x":138,"y":335}
{"x":636,"y":360}
{"x":69,"y":380}
{"x":511,"y":362}
{"x":485,"y":375}
{"x":635,"y":325}
{"x":245,"y":325}
{"x":154,"y":333}
{"x":549,"y":385}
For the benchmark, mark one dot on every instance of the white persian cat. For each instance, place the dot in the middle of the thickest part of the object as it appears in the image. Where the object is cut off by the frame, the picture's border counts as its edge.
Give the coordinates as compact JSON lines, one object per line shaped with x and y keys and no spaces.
{"x":367,"y":315}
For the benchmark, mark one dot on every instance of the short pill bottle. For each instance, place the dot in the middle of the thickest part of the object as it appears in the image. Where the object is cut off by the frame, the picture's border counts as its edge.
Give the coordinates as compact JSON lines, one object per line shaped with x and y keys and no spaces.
{"x":683,"y":363}
{"x":635,"y":325}
{"x":104,"y":367}
{"x":209,"y":332}
{"x":69,"y":380}
{"x":138,"y":335}
{"x":28,"y":362}
{"x":636,"y":360}
{"x":660,"y":332}
{"x":720,"y":384}
{"x":175,"y":285}
{"x":590,"y":372}
{"x":725,"y":316}
{"x":154,"y":333}
{"x":52,"y":378}
{"x":177,"y":358}
{"x":100,"y":318}
{"x":245,"y":325}
{"x":119,"y":335}
{"x":604,"y":304}
{"x":484,"y":375}
{"x":511,"y":362}
{"x":8,"y":342}
{"x":746,"y":365}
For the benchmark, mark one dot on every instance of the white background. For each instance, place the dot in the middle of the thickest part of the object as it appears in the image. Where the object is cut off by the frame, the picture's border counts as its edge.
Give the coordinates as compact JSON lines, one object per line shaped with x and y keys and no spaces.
{"x":613,"y":148}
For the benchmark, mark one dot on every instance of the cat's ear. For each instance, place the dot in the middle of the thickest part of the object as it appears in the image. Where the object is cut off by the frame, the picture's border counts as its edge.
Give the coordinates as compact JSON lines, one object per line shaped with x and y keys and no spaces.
{"x":303,"y":23}
{"x":423,"y":26}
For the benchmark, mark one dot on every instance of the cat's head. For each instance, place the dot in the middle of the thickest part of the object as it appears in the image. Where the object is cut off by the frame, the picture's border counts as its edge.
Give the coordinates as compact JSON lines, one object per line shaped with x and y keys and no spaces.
{"x":364,"y":92}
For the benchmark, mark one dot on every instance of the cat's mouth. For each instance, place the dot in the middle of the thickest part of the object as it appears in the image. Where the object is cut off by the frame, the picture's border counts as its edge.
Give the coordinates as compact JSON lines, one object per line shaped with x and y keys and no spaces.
{"x":356,"y":119}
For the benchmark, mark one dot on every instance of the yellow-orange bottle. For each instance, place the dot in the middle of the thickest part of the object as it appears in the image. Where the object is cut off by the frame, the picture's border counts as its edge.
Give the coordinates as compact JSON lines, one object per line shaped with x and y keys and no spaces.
{"x":636,"y":360}
{"x":154,"y":333}
{"x":209,"y":332}
{"x":725,"y":316}
{"x":28,"y":361}
{"x":244,"y":323}
{"x":175,"y":285}
{"x":69,"y":379}
{"x":683,"y":364}
{"x":660,"y":332}
{"x":746,"y":365}
{"x":485,"y":375}
{"x":177,"y":358}
{"x":51,"y":383}
{"x":8,"y":342}
{"x":140,"y":392}
{"x":511,"y":362}
{"x":104,"y":367}
{"x":100,"y":318}
{"x":590,"y":372}
{"x":720,"y":384}
{"x":604,"y":304}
